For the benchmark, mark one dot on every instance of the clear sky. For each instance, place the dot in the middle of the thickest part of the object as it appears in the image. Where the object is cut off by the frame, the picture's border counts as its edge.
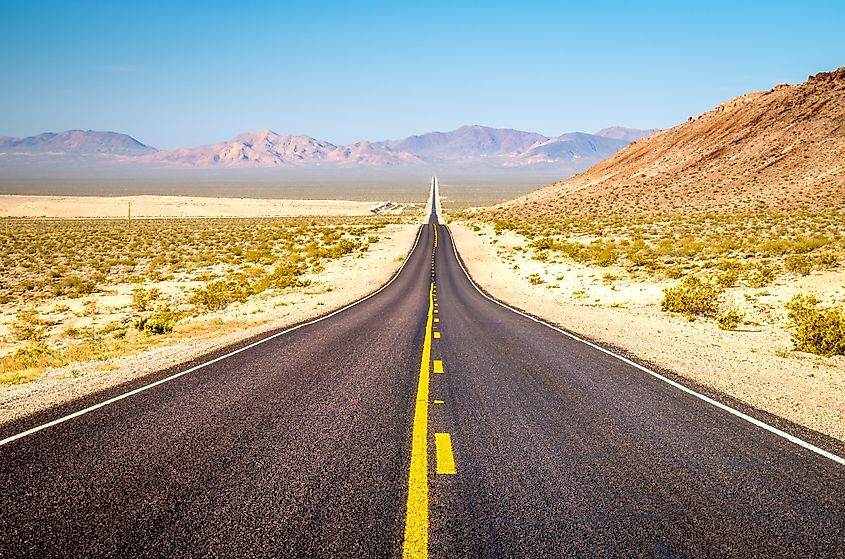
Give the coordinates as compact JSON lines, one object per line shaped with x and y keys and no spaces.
{"x":185,"y":73}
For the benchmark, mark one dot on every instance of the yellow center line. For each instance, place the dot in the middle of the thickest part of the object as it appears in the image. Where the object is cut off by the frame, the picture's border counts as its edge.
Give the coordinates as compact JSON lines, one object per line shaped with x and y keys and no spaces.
{"x":416,"y":515}
{"x":445,"y":458}
{"x":436,"y":320}
{"x":438,"y":366}
{"x":437,"y":335}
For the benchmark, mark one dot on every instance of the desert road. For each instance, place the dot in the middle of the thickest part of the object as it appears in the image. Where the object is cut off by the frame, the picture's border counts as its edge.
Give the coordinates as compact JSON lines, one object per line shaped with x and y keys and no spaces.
{"x":423,"y":420}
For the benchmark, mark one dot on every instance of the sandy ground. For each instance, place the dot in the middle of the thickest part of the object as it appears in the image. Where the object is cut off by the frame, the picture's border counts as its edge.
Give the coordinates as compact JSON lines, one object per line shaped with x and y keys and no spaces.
{"x":173,"y":206}
{"x":343,"y":281}
{"x":754,"y":364}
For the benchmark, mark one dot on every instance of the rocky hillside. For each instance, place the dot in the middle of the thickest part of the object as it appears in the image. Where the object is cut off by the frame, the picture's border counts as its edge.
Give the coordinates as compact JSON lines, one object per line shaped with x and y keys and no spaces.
{"x":782,"y":149}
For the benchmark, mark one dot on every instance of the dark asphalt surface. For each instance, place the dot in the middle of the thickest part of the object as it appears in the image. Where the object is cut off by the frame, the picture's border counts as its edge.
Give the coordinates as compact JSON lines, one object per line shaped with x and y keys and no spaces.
{"x":299,"y":447}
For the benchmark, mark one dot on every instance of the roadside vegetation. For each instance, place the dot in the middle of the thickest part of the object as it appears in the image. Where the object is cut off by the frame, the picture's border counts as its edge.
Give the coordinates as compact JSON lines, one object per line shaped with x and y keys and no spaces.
{"x":86,"y":290}
{"x":708,"y":261}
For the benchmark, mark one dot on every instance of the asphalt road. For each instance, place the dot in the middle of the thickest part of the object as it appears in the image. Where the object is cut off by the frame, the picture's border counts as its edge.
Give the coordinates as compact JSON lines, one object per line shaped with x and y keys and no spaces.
{"x":302,"y":446}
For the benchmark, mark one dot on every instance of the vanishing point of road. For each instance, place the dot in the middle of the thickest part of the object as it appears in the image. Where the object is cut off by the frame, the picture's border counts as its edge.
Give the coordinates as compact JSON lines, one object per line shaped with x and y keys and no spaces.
{"x":424,"y":420}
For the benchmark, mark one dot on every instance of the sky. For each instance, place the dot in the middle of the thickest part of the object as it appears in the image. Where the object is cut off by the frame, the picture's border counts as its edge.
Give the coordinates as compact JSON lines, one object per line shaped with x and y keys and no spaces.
{"x":177,"y":74}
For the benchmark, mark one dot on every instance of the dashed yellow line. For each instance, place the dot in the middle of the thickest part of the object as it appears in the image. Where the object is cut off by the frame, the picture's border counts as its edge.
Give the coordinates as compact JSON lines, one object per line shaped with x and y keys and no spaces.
{"x":437,"y":335}
{"x":416,"y":516}
{"x":438,"y":366}
{"x":445,"y":457}
{"x":436,"y":320}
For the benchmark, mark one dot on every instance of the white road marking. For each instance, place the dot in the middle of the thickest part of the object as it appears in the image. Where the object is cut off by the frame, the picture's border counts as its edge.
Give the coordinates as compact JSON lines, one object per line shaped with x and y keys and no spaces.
{"x":791,"y":438}
{"x":138,"y":390}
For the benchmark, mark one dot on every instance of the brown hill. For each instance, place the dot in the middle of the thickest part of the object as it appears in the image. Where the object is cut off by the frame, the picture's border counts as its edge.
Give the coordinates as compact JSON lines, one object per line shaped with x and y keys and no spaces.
{"x":782,"y":149}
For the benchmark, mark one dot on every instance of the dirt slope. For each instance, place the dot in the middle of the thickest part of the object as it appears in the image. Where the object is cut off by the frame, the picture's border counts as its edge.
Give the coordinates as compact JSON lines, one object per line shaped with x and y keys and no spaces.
{"x":782,"y":149}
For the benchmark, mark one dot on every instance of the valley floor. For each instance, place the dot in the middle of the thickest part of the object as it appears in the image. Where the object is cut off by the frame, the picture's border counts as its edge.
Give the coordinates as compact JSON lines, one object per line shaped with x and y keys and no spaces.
{"x":174,"y":206}
{"x":754,"y":364}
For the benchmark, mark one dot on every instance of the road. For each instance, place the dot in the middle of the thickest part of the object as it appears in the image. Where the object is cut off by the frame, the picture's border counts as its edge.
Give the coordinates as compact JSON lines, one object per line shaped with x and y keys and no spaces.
{"x":425,"y":419}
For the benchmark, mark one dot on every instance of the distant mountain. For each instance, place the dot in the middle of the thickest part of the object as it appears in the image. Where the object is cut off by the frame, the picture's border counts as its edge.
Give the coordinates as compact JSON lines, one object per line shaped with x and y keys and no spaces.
{"x":263,"y":148}
{"x":467,"y":141}
{"x":266,"y":148}
{"x":468,"y":147}
{"x":375,"y":154}
{"x":77,"y":142}
{"x":626,"y":134}
{"x":776,"y":150}
{"x":572,"y":147}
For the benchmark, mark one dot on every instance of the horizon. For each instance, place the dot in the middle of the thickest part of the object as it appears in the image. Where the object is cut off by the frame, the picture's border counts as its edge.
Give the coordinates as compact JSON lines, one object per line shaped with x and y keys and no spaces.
{"x":378,"y":71}
{"x":284,"y":133}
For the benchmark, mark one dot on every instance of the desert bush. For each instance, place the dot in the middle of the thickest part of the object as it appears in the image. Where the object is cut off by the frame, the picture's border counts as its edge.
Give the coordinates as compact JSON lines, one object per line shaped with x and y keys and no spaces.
{"x":730,"y":320}
{"x":28,"y":326}
{"x":827,"y":260}
{"x":761,"y":277}
{"x":36,"y":355}
{"x":75,"y":287}
{"x":797,"y":264}
{"x":535,"y":279}
{"x":726,"y":279}
{"x":218,"y":294}
{"x":819,"y":331}
{"x":693,"y":297}
{"x":160,"y":322}
{"x":142,"y":298}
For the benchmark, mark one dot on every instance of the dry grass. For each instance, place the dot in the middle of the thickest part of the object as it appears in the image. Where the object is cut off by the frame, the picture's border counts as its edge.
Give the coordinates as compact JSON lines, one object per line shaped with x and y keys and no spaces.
{"x":56,"y":274}
{"x":749,"y":248}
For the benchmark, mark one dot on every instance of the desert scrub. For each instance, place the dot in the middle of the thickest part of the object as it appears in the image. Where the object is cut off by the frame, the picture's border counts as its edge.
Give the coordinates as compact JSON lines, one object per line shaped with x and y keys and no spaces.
{"x":160,"y":322}
{"x":730,"y":320}
{"x":819,"y":331}
{"x":24,"y":363}
{"x":535,"y":279}
{"x":218,"y":294}
{"x":142,"y":299}
{"x":690,"y":242}
{"x":693,"y":297}
{"x":48,"y":258}
{"x":798,"y":264}
{"x":28,"y":325}
{"x":727,"y":279}
{"x":761,"y":277}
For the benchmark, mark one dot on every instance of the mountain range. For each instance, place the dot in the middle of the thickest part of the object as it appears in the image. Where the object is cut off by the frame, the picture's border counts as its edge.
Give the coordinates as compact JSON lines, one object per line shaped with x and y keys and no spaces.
{"x":776,"y":150}
{"x":467,"y":147}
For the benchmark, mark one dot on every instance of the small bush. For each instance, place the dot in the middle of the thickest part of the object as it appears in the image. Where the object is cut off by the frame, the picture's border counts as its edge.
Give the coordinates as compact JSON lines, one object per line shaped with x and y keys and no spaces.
{"x":218,"y":294}
{"x":819,"y":331}
{"x":28,"y":326}
{"x":693,"y":297}
{"x":827,"y":260}
{"x":36,"y":355}
{"x":75,"y":287}
{"x":798,"y":264}
{"x":160,"y":322}
{"x":730,"y":320}
{"x":142,"y":298}
{"x":535,"y":279}
{"x":761,"y":277}
{"x":727,"y":279}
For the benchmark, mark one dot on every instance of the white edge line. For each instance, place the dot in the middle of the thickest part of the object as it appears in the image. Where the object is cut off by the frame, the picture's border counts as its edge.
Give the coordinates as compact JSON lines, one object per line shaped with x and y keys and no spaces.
{"x":679,"y":386}
{"x":140,"y":389}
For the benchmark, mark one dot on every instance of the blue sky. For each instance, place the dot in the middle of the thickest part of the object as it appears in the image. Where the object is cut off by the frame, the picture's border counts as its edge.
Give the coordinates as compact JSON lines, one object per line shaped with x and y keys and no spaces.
{"x":185,"y":73}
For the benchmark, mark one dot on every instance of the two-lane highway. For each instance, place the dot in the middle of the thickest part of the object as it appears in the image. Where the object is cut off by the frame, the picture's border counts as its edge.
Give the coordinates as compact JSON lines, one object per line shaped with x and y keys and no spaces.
{"x":426,"y":419}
